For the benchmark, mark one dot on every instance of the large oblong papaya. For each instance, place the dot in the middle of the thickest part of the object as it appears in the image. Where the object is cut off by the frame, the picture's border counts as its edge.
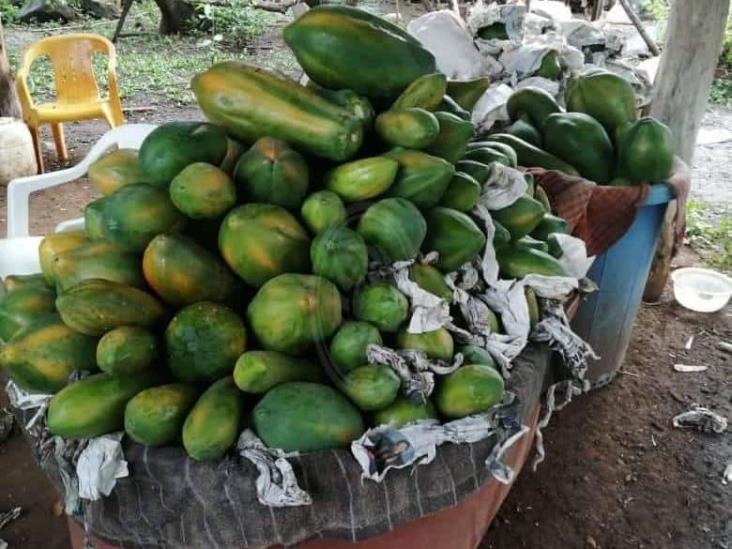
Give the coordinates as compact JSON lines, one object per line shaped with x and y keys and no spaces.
{"x":97,"y":259}
{"x":42,"y":356}
{"x":414,"y":128}
{"x":261,"y":241}
{"x":362,"y":179}
{"x":155,"y":416}
{"x":535,"y":103}
{"x":96,"y":306}
{"x":258,"y":371}
{"x":272,"y":173}
{"x":454,"y":235}
{"x":606,"y":97}
{"x":394,"y":227}
{"x":134,"y":215}
{"x":422,"y":178}
{"x":20,"y":307}
{"x":183,"y":272}
{"x":292,"y":311}
{"x":521,"y":217}
{"x":645,"y":151}
{"x":517,"y":262}
{"x":426,"y":92}
{"x":343,"y":47}
{"x":115,"y":170}
{"x":251,"y":103}
{"x":171,"y":147}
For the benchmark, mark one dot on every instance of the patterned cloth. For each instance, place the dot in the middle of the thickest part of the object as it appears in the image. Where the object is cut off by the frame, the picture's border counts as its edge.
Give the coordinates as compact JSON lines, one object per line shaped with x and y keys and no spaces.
{"x":599,"y":214}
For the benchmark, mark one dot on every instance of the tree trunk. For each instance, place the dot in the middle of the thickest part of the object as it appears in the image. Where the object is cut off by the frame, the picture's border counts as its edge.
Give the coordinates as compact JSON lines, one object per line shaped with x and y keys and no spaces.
{"x":694,"y":40}
{"x":9,"y":105}
{"x":177,"y":16}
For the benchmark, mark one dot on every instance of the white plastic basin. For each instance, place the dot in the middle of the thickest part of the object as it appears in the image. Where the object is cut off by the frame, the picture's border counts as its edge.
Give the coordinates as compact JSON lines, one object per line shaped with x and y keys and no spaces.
{"x":19,"y":255}
{"x":701,"y":290}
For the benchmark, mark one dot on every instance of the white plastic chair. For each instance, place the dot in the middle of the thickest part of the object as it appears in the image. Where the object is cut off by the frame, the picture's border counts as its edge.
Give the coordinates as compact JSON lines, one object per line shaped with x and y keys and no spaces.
{"x":19,"y":251}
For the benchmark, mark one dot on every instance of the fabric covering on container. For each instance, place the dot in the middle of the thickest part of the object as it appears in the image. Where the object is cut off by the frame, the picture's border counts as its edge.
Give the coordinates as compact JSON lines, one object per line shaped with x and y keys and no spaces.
{"x":172,"y":501}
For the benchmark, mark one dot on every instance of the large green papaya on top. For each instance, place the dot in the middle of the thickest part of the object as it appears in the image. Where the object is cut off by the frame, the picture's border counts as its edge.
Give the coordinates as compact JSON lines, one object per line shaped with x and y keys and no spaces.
{"x":173,"y":146}
{"x":292,"y":311}
{"x":342,"y":47}
{"x":394,"y":227}
{"x":251,"y":103}
{"x":261,"y":241}
{"x":606,"y":97}
{"x":134,"y":215}
{"x":580,"y":139}
{"x":272,"y":173}
{"x":422,"y":178}
{"x":454,"y":235}
{"x":645,"y":151}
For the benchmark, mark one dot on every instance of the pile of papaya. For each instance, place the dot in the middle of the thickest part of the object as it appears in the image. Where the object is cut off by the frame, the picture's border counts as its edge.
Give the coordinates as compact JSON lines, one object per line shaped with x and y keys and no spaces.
{"x":599,"y":136}
{"x":227,"y":276}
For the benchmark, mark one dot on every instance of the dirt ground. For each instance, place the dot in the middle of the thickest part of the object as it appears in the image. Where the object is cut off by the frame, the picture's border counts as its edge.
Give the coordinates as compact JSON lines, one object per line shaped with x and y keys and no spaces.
{"x":617,"y":474}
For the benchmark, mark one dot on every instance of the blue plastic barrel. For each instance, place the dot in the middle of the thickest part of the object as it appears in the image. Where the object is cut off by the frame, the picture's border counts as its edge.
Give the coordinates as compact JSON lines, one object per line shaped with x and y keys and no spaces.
{"x":605,"y":319}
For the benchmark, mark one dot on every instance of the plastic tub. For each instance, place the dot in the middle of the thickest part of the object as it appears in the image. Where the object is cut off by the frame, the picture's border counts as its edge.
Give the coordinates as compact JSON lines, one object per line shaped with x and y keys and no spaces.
{"x":605,"y":319}
{"x":701,"y":290}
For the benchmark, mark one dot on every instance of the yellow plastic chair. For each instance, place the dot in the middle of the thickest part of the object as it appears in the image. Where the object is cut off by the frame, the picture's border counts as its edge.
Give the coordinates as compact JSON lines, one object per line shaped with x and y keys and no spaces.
{"x":77,"y":92}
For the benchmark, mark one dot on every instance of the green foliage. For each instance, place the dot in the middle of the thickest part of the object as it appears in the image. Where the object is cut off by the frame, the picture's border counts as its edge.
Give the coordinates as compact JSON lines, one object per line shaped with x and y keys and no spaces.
{"x":236,"y":23}
{"x":710,"y":235}
{"x":8,"y":11}
{"x":721,"y":91}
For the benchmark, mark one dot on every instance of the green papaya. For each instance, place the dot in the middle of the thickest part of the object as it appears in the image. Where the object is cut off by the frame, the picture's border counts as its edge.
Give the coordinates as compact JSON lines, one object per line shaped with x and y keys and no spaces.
{"x":471,"y":389}
{"x":523,"y":129}
{"x":126,"y":350}
{"x":250,"y":103}
{"x":530,"y":242}
{"x":436,"y":344}
{"x":555,"y":248}
{"x":403,"y":411}
{"x":606,"y":97}
{"x":306,"y":417}
{"x":94,"y":220}
{"x":532,"y":102}
{"x":466,"y":93}
{"x":448,"y":104}
{"x":371,"y":387}
{"x":645,"y":151}
{"x":271,"y":172}
{"x":454,"y":235}
{"x":15,"y":282}
{"x":203,"y":191}
{"x":340,"y":255}
{"x":425,"y":92}
{"x":521,"y":217}
{"x":350,"y":343}
{"x":359,"y":106}
{"x":362,"y":179}
{"x":261,"y":241}
{"x":531,"y":186}
{"x":532,"y":303}
{"x":494,"y":31}
{"x":430,"y":279}
{"x":413,"y":127}
{"x":135,"y":214}
{"x":96,"y":404}
{"x":21,"y":306}
{"x":182,"y":272}
{"x":327,"y":39}
{"x":579,"y":138}
{"x":203,"y":342}
{"x":382,"y":305}
{"x":234,"y":149}
{"x":550,"y":224}
{"x":422,"y":178}
{"x":472,"y":354}
{"x":518,"y":262}
{"x":550,"y":67}
{"x":212,"y":425}
{"x":155,"y":416}
{"x":95,"y":307}
{"x":541,"y":196}
{"x":97,"y":259}
{"x":502,"y":148}
{"x":501,"y":236}
{"x":477,"y":170}
{"x":42,"y":356}
{"x":462,"y":193}
{"x":54,"y":244}
{"x":453,"y":138}
{"x":323,"y":210}
{"x":394,"y":228}
{"x":172,"y":146}
{"x":114,"y":170}
{"x":529,"y":156}
{"x":291,"y":312}
{"x":486,"y":155}
{"x":258,"y":371}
